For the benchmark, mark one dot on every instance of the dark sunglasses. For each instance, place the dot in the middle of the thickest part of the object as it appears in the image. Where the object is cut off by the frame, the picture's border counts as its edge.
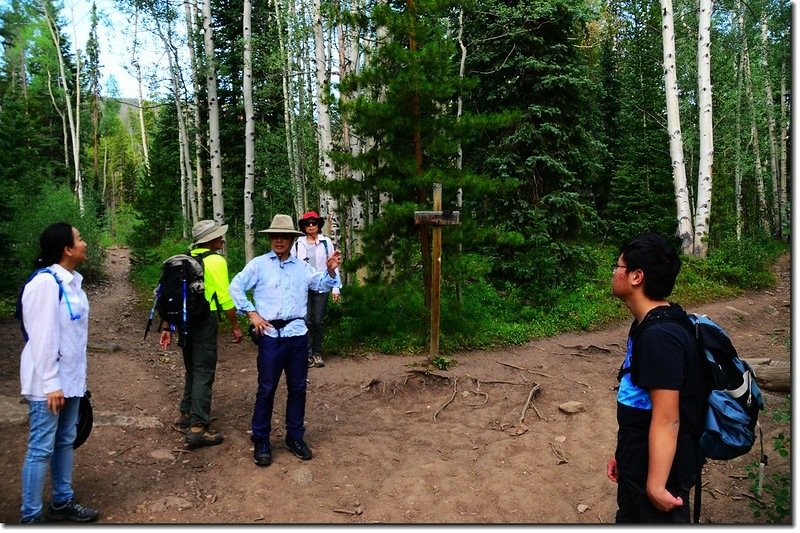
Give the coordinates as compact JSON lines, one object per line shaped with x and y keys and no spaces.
{"x":311,"y":223}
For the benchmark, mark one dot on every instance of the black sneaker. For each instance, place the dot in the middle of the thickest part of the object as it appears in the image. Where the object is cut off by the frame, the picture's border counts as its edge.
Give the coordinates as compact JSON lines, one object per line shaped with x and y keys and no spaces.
{"x":72,"y":511}
{"x":38,"y":519}
{"x":203,"y":437}
{"x":299,"y":448}
{"x":262,"y":455}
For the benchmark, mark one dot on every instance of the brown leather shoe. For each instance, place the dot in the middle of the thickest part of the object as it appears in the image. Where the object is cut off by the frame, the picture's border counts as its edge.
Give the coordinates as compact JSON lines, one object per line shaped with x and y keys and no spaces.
{"x":200,"y":436}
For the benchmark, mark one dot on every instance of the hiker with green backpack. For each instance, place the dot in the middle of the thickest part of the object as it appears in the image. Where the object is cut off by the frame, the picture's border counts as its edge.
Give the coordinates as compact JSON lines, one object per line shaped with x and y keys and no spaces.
{"x":192,"y":292}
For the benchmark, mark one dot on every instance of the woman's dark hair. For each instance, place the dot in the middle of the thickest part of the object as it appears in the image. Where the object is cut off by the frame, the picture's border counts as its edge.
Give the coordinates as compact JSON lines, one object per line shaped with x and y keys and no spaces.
{"x":52,"y":242}
{"x":653,"y":255}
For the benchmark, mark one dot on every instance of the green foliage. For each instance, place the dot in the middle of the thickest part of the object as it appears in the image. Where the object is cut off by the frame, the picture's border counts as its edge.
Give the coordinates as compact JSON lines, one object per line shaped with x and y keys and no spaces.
{"x":54,"y":204}
{"x":783,"y":413}
{"x":774,"y":503}
{"x":443,"y":363}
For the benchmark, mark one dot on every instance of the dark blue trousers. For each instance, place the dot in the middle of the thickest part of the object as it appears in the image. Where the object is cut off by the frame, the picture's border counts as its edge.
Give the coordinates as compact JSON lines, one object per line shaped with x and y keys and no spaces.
{"x":276,"y":355}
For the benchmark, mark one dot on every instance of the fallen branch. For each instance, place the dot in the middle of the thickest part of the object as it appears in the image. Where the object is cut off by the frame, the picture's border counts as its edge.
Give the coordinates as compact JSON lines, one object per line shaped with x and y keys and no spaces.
{"x":345,"y":511}
{"x":126,"y":449}
{"x":524,"y":369}
{"x":578,"y":382}
{"x":537,"y":412}
{"x":455,"y":388}
{"x":533,"y":391}
{"x":486,"y":399}
{"x":495,"y":381}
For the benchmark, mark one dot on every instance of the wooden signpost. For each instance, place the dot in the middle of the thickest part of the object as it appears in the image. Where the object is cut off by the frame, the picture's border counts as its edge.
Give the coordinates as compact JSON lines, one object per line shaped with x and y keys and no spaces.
{"x":436,"y":219}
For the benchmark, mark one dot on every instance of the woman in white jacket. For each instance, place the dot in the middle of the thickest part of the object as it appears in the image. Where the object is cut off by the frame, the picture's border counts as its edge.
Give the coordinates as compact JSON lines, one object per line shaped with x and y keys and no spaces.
{"x":53,"y":374}
{"x":315,"y":249}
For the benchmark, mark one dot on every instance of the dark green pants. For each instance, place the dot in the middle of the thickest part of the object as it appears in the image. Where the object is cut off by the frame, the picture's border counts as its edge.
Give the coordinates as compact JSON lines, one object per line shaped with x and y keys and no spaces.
{"x":200,"y":362}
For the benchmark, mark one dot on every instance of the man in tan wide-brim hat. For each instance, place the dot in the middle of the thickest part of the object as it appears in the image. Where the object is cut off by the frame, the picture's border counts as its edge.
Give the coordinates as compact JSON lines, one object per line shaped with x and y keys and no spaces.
{"x":200,"y":346}
{"x":280,"y":285}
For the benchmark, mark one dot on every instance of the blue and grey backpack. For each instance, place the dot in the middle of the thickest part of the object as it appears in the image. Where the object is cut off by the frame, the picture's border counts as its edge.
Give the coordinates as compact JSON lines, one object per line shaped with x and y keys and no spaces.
{"x":734,"y":398}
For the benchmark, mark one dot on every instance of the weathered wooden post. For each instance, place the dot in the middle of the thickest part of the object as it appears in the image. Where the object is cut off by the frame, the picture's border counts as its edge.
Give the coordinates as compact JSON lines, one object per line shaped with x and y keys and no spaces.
{"x":436,"y":218}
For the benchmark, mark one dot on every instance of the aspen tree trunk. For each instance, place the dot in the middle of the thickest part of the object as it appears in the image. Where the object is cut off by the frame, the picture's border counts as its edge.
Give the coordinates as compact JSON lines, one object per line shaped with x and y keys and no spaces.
{"x":684,"y":215}
{"x":217,"y":199}
{"x":738,"y":163}
{"x":105,"y":167}
{"x":748,"y":83}
{"x":191,"y":25}
{"x":63,"y":120}
{"x":138,"y":70}
{"x":287,"y":85}
{"x":702,"y":218}
{"x":459,"y":111}
{"x":187,"y":178}
{"x":328,"y":204}
{"x":784,"y":138}
{"x":74,"y":123}
{"x":249,"y":132}
{"x":773,"y":141}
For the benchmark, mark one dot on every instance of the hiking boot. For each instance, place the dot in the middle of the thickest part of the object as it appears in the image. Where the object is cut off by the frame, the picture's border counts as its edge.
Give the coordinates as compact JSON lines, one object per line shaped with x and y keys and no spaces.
{"x":200,"y":436}
{"x":183,"y":423}
{"x":38,"y":519}
{"x":299,"y":448}
{"x":72,"y":511}
{"x":262,"y":455}
{"x":318,"y":360}
{"x":311,"y":362}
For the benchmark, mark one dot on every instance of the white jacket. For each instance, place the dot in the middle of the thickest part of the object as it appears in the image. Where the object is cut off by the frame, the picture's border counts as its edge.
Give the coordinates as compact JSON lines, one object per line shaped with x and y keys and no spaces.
{"x":54,"y":358}
{"x":301,"y":247}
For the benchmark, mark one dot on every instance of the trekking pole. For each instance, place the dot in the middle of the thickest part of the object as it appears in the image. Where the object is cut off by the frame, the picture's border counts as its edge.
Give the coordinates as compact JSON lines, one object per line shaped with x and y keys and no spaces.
{"x":761,"y":464}
{"x":152,"y":311}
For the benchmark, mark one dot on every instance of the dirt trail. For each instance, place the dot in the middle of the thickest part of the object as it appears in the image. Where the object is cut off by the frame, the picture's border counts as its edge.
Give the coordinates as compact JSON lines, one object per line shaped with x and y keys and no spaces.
{"x":388,"y":446}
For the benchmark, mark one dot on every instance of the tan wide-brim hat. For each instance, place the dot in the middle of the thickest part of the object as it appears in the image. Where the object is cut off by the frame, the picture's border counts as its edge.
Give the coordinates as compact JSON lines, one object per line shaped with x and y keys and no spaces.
{"x":281,"y":224}
{"x":207,"y":231}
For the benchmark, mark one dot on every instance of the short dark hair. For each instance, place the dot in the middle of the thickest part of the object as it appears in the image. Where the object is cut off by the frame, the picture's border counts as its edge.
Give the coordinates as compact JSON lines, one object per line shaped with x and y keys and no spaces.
{"x":653,"y":255}
{"x":52,"y":242}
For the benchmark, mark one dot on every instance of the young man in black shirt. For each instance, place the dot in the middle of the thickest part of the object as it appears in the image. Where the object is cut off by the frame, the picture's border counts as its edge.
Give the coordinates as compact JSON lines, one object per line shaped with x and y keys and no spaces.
{"x":659,"y":403}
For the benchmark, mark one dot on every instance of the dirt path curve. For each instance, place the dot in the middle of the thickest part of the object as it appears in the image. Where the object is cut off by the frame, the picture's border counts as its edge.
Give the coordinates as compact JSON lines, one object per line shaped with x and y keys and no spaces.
{"x":391,"y":445}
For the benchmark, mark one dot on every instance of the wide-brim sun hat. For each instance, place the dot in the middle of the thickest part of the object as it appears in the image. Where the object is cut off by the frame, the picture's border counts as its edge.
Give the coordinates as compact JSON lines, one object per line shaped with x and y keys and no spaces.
{"x":281,"y":224}
{"x":311,"y":215}
{"x":207,"y":231}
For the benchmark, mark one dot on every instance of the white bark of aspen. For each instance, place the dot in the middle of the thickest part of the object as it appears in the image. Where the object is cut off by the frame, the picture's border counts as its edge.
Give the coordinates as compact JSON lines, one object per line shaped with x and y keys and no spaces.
{"x":63,"y":119}
{"x":105,"y":167}
{"x":191,"y":24}
{"x":76,"y":138}
{"x":187,"y":178}
{"x":328,"y":205}
{"x":748,"y":83}
{"x":459,"y":111}
{"x":287,"y":86}
{"x":184,"y":206}
{"x":138,"y":70}
{"x":249,"y":132}
{"x":702,"y":219}
{"x":684,"y":215}
{"x":737,"y":174}
{"x":217,"y":199}
{"x":74,"y":125}
{"x":784,"y":138}
{"x":773,"y":140}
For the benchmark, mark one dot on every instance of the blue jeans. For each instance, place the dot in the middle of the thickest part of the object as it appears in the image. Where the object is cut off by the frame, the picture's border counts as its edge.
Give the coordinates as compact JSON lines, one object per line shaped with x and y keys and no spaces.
{"x":50,"y":441}
{"x":274,"y":356}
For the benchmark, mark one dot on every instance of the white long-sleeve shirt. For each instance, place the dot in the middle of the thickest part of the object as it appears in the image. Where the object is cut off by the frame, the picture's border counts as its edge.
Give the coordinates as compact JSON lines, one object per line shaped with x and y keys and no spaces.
{"x":54,"y":358}
{"x":304,"y":250}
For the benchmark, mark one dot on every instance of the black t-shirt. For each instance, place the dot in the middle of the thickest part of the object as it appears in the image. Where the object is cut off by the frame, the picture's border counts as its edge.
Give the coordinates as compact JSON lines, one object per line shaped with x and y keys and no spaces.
{"x":666,"y":357}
